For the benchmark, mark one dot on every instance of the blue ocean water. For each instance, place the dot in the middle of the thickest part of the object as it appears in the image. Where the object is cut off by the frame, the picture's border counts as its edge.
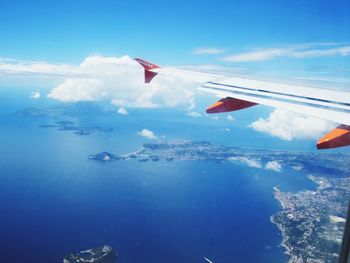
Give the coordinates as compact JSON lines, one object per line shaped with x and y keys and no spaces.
{"x":53,"y":200}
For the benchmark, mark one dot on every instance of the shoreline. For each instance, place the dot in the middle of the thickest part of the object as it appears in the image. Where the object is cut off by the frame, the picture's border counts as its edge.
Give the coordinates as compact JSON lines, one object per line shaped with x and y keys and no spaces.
{"x":283,"y":244}
{"x":287,"y":249}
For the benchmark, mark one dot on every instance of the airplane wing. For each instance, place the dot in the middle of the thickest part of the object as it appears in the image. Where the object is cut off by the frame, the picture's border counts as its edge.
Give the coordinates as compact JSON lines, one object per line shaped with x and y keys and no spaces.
{"x":240,"y":93}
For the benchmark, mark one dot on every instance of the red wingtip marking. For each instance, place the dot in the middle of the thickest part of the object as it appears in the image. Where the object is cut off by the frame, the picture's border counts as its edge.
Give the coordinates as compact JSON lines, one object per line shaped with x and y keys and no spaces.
{"x":149,"y":75}
{"x":146,"y":65}
{"x":229,"y":104}
{"x":337,"y":137}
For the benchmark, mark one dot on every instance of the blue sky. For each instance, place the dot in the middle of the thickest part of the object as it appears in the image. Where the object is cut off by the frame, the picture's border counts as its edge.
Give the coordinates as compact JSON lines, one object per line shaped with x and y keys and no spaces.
{"x":166,"y":31}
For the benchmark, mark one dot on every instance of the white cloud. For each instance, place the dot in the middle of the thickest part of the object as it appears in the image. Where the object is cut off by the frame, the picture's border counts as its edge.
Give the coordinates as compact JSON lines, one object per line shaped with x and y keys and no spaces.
{"x":207,"y":51}
{"x":288,"y":126}
{"x":230,"y":118}
{"x":147,"y":134}
{"x":274,"y":166}
{"x":73,"y":90}
{"x":35,"y":95}
{"x":25,"y":68}
{"x":249,"y":162}
{"x":260,"y":55}
{"x":116,"y":79}
{"x":194,"y":114}
{"x":122,"y":111}
{"x":308,"y":50}
{"x":270,"y":165}
{"x":297,"y":167}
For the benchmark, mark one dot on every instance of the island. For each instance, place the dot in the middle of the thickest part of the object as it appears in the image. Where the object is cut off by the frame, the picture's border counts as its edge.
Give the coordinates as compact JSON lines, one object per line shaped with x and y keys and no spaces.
{"x":105,"y":254}
{"x":62,"y":114}
{"x":78,"y":130}
{"x":104,"y":157}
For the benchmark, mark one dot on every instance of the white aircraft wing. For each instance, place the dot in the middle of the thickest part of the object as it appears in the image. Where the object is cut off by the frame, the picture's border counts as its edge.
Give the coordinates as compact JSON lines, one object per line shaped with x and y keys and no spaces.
{"x":239,"y":93}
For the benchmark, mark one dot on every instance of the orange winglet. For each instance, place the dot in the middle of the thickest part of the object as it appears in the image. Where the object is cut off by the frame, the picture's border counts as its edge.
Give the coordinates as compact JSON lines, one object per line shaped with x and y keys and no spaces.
{"x":229,"y":104}
{"x":338,"y":137}
{"x":149,"y":75}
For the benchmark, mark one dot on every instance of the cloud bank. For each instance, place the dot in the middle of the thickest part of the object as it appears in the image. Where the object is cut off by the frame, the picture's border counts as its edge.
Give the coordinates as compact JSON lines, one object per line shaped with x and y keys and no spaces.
{"x":115,"y":79}
{"x":121,"y":81}
{"x":288,"y":126}
{"x":38,"y":68}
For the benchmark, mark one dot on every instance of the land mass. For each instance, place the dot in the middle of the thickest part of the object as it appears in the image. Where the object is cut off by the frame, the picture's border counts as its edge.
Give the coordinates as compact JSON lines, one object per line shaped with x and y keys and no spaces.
{"x":311,"y":222}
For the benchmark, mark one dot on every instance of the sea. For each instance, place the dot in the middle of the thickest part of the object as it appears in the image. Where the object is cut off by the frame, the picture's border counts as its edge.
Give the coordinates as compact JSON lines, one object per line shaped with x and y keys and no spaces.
{"x":54,"y":200}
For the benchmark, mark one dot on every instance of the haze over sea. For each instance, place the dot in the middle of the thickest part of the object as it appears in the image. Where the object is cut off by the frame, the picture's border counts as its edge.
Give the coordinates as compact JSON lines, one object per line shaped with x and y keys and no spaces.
{"x":54,"y":200}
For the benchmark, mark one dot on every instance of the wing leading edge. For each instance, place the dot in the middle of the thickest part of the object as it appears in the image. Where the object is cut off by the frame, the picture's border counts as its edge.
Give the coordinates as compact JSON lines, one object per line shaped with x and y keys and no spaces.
{"x":239,"y":93}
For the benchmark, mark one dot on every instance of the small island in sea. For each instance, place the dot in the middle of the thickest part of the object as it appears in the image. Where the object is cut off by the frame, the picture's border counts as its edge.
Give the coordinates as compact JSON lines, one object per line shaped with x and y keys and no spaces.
{"x":104,"y":156}
{"x":105,"y":254}
{"x":311,"y":222}
{"x":78,"y":130}
{"x":60,"y":113}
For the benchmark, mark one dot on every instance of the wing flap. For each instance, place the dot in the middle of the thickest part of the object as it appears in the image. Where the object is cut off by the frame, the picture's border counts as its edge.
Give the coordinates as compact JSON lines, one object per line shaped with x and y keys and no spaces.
{"x":322,"y":113}
{"x":338,"y":137}
{"x":229,"y":104}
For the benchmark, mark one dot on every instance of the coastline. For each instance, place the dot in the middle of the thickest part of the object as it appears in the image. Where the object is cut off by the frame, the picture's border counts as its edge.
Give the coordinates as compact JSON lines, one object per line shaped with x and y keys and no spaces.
{"x":278,"y":195}
{"x":301,"y":215}
{"x":287,"y":249}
